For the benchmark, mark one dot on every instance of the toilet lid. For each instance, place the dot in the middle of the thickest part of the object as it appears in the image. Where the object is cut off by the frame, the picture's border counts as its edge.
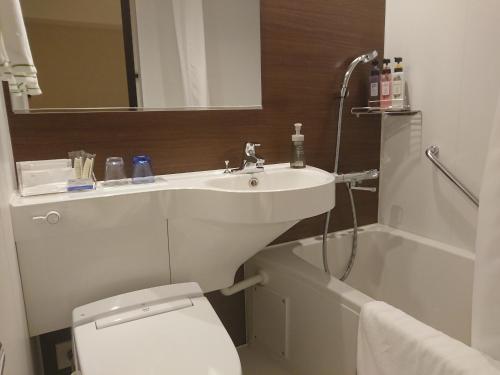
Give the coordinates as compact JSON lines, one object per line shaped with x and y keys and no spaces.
{"x":190,"y":340}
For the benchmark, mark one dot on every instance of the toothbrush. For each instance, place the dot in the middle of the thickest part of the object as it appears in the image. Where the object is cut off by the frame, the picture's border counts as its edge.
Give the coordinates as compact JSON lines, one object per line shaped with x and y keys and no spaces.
{"x":78,"y":167}
{"x":91,"y":169}
{"x":87,"y":168}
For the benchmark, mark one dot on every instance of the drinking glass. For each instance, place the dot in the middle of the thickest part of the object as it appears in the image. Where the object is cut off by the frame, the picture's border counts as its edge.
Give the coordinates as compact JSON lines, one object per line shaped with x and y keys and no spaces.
{"x":142,"y":172}
{"x":115,"y":171}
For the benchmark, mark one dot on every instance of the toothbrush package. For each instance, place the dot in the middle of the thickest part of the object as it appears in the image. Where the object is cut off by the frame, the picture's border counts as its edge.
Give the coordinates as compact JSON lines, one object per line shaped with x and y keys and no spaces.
{"x":83,"y":165}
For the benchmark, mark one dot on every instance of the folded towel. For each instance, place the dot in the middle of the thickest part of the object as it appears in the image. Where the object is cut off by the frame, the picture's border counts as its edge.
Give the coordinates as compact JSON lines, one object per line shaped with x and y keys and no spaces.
{"x":391,"y":342}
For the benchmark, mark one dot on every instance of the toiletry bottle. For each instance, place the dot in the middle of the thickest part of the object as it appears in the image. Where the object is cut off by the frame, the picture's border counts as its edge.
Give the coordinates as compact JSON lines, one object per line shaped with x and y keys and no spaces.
{"x":398,"y":85}
{"x":298,"y":159}
{"x":385,"y":85}
{"x":374,"y":87}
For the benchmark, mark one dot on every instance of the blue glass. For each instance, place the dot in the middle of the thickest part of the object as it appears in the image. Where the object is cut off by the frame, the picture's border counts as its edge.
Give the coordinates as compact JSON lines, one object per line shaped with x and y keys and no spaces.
{"x":142,"y":171}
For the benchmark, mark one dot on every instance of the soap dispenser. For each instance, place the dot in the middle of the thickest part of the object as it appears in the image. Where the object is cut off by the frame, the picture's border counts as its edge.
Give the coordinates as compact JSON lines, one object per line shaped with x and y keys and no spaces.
{"x":386,"y":85}
{"x":398,"y":86}
{"x":374,"y":89}
{"x":298,"y":158}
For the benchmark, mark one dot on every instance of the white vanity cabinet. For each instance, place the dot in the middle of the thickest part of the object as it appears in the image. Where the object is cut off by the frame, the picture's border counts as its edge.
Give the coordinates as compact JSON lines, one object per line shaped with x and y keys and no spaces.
{"x":76,"y":248}
{"x":97,"y":248}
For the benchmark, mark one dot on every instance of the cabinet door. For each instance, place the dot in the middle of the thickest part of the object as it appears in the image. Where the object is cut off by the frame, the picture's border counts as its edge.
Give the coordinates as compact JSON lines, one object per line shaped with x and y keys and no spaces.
{"x":98,"y":248}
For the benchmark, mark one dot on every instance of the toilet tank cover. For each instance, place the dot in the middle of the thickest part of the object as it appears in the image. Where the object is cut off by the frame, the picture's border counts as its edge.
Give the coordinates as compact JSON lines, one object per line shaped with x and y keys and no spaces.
{"x":127,"y":301}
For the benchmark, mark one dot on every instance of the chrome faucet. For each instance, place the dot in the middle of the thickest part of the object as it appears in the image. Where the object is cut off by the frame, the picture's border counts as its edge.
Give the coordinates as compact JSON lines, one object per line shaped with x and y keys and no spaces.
{"x":251,"y":163}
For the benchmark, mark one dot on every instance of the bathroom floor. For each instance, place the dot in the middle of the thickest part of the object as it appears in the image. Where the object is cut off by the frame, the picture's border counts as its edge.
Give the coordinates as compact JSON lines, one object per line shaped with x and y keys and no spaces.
{"x":254,"y":362}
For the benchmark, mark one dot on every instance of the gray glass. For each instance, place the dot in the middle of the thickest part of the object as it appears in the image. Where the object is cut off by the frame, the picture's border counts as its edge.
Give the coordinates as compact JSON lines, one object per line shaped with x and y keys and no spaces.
{"x":115,"y":171}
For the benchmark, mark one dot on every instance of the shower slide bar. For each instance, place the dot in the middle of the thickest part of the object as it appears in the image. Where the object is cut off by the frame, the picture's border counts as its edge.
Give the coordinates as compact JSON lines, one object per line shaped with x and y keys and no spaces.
{"x":433,"y":154}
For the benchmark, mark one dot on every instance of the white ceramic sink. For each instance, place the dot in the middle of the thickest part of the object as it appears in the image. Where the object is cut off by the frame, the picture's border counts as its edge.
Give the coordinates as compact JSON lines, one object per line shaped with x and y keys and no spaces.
{"x":231,"y":220}
{"x":276,"y":179}
{"x":282,"y":194}
{"x":199,"y":226}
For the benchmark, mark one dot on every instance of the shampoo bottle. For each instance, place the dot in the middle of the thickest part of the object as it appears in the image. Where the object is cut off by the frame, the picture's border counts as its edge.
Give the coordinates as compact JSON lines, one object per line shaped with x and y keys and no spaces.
{"x":398,"y":85}
{"x":386,"y":85}
{"x":374,"y":87}
{"x":298,"y":158}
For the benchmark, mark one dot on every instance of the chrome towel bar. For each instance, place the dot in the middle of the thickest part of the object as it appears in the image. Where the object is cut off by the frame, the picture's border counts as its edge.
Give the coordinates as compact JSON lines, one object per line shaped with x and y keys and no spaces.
{"x":432,"y":153}
{"x":2,"y":358}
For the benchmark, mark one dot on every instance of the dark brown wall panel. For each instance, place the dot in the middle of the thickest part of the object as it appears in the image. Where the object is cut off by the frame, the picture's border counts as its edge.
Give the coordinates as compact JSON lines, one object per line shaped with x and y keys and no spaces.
{"x":306,"y":47}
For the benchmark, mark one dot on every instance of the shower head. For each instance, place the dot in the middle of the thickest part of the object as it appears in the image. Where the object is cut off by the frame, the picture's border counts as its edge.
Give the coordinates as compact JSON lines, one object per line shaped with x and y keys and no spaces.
{"x":369,"y":56}
{"x":366,"y":58}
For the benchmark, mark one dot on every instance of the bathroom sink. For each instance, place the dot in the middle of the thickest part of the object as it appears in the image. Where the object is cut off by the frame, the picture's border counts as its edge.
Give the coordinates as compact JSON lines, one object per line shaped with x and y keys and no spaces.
{"x":226,"y":218}
{"x":278,"y":194}
{"x":285,"y":179}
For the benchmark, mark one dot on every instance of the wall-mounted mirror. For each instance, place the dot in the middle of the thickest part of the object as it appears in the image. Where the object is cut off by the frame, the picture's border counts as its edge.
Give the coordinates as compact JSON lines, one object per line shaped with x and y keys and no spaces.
{"x":152,"y":54}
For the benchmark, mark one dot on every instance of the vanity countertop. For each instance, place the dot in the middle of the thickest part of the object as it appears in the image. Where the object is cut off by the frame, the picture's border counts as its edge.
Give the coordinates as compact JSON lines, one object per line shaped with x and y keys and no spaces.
{"x":189,"y":180}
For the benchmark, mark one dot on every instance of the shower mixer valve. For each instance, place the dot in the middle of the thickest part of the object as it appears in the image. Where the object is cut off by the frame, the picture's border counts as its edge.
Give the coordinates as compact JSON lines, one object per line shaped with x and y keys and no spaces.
{"x":355,"y":178}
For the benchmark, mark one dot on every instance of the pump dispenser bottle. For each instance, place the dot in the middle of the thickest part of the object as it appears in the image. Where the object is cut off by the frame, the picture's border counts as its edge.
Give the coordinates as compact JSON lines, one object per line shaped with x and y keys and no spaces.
{"x":374,"y":87}
{"x":398,"y":85}
{"x":386,"y":85}
{"x":298,"y":158}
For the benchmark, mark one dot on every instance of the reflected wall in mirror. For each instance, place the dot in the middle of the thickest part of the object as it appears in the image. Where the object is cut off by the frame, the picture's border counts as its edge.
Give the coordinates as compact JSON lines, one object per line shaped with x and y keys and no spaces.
{"x":152,"y":54}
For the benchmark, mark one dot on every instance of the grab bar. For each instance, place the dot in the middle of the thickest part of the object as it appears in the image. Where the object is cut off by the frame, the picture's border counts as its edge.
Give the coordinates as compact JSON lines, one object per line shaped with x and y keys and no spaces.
{"x":2,"y":358}
{"x":432,"y":153}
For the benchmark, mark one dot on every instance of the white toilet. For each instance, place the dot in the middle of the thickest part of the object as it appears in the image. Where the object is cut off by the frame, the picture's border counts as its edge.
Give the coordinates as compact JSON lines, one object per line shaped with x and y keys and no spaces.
{"x":170,"y":329}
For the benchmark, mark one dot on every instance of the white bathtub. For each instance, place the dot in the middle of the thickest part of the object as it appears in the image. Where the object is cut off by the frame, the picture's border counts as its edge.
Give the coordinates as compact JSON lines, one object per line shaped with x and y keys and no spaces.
{"x":316,"y":329}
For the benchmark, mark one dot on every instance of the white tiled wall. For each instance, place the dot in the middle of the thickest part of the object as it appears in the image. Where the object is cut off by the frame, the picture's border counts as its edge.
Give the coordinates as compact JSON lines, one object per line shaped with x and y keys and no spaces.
{"x":452,"y":57}
{"x":13,"y":329}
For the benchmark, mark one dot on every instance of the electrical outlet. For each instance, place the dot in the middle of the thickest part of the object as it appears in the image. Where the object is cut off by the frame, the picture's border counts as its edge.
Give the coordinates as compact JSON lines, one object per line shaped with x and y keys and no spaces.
{"x":64,"y":354}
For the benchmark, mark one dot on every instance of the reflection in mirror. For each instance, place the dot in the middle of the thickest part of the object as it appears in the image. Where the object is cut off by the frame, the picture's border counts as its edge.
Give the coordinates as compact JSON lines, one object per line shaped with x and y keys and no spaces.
{"x":153,"y":54}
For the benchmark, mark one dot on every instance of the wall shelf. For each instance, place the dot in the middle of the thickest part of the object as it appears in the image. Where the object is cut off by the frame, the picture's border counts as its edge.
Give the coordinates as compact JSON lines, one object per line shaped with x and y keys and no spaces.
{"x":362,"y":111}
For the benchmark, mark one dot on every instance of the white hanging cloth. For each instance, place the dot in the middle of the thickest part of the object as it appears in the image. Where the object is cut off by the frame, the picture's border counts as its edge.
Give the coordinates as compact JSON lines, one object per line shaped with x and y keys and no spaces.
{"x":190,"y":32}
{"x":16,"y":62}
{"x":486,"y":296}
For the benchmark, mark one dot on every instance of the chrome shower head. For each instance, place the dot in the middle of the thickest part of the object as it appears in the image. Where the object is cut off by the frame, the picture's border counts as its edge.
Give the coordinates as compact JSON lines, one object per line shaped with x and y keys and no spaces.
{"x":366,"y":58}
{"x":369,"y":56}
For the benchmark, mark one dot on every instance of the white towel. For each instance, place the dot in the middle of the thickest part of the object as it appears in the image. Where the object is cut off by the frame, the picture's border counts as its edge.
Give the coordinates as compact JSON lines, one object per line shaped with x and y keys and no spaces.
{"x":486,"y":296}
{"x":16,"y":62}
{"x":391,"y":342}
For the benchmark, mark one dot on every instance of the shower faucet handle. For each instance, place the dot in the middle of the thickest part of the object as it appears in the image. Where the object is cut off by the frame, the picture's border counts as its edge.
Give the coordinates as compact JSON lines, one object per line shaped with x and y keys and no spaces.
{"x":360,"y":188}
{"x":353,"y":186}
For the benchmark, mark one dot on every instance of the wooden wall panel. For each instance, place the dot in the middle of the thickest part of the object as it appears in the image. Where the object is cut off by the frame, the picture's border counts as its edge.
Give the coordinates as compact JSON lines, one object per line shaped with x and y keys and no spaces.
{"x":306,"y":47}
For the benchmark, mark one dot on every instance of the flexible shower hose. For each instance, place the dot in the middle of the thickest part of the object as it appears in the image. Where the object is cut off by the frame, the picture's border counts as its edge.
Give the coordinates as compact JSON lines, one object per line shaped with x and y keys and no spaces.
{"x":343,"y":93}
{"x":354,"y":246}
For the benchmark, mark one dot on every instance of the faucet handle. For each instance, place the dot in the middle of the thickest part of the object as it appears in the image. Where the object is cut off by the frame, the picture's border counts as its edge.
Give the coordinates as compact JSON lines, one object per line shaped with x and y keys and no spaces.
{"x":250,"y":148}
{"x":354,"y":186}
{"x":227,"y":170}
{"x":360,"y":188}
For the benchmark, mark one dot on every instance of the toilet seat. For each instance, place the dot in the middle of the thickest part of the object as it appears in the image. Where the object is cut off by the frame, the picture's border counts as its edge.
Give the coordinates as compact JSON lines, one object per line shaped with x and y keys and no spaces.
{"x":166,"y":330}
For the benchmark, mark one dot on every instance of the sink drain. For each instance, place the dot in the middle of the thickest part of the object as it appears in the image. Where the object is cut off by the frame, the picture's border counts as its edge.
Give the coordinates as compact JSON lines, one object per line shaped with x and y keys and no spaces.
{"x":253,"y":182}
